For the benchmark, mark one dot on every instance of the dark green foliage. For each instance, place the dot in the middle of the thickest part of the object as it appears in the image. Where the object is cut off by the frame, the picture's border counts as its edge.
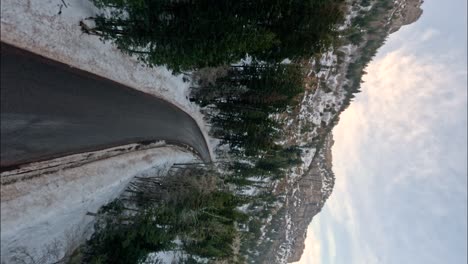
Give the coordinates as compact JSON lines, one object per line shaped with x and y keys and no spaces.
{"x":123,"y":239}
{"x":245,"y":98}
{"x":254,"y":227}
{"x":365,"y":3}
{"x":200,"y":33}
{"x":378,"y":33}
{"x":376,"y":30}
{"x":303,"y":28}
{"x":272,"y":163}
{"x":355,"y":36}
{"x":188,"y":206}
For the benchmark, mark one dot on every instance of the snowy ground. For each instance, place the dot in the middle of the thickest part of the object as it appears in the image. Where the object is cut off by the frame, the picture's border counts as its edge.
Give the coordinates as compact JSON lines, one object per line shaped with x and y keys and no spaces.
{"x":46,"y":216}
{"x":35,"y":169}
{"x":51,"y":29}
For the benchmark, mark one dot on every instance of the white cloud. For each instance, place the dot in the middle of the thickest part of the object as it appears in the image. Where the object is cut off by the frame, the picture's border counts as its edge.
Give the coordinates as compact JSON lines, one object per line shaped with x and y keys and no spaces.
{"x":429,"y":34}
{"x":391,"y":183}
{"x":408,"y":98}
{"x":331,"y":244}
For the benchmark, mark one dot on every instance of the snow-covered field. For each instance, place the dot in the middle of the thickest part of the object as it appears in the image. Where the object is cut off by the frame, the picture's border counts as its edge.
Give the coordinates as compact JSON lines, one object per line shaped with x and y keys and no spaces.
{"x":51,"y":29}
{"x":46,"y":215}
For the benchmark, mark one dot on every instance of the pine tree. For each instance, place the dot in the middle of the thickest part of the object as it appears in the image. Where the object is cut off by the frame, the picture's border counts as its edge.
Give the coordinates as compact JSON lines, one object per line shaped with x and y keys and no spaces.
{"x":200,"y":33}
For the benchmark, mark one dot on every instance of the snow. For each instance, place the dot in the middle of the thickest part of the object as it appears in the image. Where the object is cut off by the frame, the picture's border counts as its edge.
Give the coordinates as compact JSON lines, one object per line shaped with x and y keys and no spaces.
{"x":328,"y":59}
{"x":172,"y":256}
{"x":258,"y":179}
{"x":166,"y":257}
{"x":320,"y":105}
{"x":349,"y":16}
{"x":38,"y":212}
{"x":249,"y":191}
{"x":49,"y":166}
{"x":244,"y":208}
{"x":51,"y":209}
{"x":348,"y":49}
{"x":307,"y":156}
{"x":37,"y":26}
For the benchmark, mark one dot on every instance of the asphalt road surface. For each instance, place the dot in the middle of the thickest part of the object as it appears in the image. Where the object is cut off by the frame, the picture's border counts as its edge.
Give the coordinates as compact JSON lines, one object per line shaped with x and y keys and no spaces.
{"x":49,"y":110}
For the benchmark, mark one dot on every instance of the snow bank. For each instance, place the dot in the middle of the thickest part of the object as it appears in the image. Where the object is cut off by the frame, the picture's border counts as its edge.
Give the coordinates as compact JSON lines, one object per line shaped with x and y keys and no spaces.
{"x":36,"y":169}
{"x":50,"y":28}
{"x":50,"y":210}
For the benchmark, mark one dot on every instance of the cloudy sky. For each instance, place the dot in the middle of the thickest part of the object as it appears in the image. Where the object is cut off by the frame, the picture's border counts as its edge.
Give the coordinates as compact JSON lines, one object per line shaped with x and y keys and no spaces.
{"x":400,"y":153}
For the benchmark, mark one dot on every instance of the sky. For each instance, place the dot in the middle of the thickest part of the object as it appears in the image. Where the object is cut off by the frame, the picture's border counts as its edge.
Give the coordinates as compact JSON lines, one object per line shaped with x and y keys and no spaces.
{"x":400,"y":152}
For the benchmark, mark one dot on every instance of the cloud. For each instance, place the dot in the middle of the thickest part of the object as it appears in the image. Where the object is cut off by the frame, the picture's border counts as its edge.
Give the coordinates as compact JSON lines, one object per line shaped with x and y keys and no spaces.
{"x":331,"y":244}
{"x":399,"y":160}
{"x":429,"y":34}
{"x":409,"y":98}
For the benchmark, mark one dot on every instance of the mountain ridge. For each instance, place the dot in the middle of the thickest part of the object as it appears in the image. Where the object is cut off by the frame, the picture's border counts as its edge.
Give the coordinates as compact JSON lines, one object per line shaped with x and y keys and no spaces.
{"x":338,"y":73}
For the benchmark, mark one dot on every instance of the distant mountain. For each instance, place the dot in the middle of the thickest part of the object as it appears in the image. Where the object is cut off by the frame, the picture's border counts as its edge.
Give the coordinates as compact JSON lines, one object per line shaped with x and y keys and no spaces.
{"x":337,"y":76}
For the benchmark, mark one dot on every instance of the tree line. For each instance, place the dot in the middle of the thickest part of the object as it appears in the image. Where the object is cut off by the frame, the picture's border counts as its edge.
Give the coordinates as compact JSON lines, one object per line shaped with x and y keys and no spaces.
{"x":190,"y":205}
{"x":201,"y":33}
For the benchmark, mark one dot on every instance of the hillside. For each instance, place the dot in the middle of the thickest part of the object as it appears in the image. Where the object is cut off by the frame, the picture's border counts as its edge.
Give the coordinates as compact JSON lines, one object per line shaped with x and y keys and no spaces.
{"x":337,"y":75}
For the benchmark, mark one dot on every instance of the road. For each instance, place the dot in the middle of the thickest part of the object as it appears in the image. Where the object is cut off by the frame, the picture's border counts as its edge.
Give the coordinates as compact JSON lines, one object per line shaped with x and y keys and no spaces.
{"x":49,"y":110}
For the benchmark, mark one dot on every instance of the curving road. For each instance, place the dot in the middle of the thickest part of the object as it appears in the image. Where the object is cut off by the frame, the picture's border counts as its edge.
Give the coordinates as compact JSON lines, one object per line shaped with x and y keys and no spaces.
{"x":49,"y":109}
